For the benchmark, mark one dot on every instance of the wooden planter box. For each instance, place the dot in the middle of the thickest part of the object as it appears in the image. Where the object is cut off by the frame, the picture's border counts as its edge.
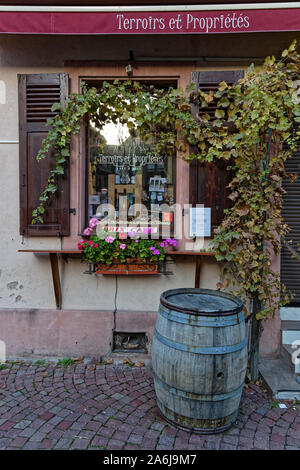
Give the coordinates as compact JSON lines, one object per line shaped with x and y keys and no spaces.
{"x":129,"y":268}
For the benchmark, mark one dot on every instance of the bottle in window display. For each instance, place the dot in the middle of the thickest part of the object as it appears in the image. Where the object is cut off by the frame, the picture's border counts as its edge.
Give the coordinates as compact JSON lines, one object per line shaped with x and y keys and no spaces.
{"x":117,"y":177}
{"x":123,"y":178}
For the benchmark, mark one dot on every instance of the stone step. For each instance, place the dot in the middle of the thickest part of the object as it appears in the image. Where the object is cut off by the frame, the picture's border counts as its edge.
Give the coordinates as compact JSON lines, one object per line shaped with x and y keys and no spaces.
{"x":290,"y":313}
{"x":290,"y":325}
{"x":279,"y":378}
{"x":291,"y":355}
{"x":290,"y":330}
{"x":290,"y":336}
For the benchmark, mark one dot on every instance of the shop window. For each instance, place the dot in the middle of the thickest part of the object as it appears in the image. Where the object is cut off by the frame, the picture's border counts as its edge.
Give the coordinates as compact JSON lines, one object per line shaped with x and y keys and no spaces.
{"x":129,"y":185}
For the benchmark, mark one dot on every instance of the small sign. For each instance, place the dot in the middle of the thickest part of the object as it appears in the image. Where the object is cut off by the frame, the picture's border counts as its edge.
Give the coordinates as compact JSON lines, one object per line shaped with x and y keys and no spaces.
{"x":200,"y":222}
{"x":124,"y":229}
{"x":167,"y":216}
{"x":197,"y":21}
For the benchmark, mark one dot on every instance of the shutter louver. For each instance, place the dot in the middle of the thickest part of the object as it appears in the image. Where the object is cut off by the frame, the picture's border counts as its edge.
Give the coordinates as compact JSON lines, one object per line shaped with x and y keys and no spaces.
{"x":40,"y":99}
{"x":209,"y":181}
{"x":37,"y":94}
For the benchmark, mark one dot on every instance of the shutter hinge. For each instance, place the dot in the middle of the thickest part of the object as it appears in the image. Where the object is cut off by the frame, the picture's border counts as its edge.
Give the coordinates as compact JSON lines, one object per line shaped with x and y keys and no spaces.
{"x":72,"y":211}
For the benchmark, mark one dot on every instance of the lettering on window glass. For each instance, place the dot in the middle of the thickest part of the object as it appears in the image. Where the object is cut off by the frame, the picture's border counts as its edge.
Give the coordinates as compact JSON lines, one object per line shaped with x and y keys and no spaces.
{"x":128,"y":182}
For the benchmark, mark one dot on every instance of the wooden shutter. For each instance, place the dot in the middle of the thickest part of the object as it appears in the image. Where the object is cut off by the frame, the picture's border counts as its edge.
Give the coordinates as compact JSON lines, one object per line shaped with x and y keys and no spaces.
{"x":208,"y":181}
{"x":37,"y":93}
{"x":290,"y":266}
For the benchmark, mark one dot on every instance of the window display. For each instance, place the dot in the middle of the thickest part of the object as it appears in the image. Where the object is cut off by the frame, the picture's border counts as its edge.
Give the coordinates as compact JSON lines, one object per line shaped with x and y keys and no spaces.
{"x":128,"y":184}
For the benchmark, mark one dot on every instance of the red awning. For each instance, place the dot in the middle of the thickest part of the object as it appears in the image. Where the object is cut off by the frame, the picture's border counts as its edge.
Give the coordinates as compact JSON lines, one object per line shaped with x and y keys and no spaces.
{"x":53,"y":20}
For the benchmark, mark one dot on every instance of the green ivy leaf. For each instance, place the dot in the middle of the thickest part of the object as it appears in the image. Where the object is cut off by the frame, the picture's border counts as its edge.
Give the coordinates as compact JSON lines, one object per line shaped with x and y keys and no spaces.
{"x":55,"y":107}
{"x":219,"y":113}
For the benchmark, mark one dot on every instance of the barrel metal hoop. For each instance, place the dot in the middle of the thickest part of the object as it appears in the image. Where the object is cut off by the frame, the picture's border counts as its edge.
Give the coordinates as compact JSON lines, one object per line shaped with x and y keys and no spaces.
{"x":164,"y":300}
{"x":179,"y":317}
{"x":195,"y":396}
{"x":172,"y":418}
{"x":201,"y":350}
{"x":200,"y":314}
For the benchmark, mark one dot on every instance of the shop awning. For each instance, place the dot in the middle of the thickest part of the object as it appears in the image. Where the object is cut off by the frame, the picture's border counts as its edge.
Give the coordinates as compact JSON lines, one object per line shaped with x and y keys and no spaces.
{"x":179,"y":19}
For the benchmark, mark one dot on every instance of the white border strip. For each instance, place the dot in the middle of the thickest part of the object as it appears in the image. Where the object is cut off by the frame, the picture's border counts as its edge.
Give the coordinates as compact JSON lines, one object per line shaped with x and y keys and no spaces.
{"x":9,"y":141}
{"x":161,"y":8}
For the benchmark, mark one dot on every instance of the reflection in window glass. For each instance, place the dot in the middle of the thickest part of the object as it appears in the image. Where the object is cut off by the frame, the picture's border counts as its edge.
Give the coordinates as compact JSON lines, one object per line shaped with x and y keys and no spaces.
{"x":127,"y":175}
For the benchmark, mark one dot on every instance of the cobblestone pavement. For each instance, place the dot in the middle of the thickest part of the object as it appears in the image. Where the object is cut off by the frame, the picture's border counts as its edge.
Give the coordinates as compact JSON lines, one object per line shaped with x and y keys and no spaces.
{"x":87,"y":406}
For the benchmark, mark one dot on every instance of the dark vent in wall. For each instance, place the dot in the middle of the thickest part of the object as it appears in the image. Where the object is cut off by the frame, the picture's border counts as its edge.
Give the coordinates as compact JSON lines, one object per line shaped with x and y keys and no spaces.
{"x":130,"y":342}
{"x":39,"y":101}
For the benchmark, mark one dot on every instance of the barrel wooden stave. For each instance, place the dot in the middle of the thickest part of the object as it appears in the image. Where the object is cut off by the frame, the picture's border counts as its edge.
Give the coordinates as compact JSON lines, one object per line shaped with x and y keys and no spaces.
{"x":201,"y":391}
{"x":197,"y":414}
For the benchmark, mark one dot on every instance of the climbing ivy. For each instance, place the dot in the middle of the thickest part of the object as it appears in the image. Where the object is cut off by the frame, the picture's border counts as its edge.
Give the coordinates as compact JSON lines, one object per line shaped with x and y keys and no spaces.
{"x":153,"y":113}
{"x":253,"y":130}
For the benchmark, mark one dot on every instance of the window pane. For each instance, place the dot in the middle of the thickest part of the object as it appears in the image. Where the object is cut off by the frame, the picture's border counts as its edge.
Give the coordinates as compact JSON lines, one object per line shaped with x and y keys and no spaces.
{"x":129,"y":176}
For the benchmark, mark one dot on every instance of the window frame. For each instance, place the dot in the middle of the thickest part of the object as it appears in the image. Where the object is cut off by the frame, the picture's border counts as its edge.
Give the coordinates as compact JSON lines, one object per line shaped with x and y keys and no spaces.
{"x":158,"y":82}
{"x":111,"y":70}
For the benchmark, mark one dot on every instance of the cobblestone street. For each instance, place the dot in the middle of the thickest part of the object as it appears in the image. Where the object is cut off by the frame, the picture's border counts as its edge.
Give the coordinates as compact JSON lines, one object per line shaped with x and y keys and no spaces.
{"x":45,"y":405}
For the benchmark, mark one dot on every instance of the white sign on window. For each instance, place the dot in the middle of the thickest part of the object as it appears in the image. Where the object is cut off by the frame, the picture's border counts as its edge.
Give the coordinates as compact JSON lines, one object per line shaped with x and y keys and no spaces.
{"x":200,"y":222}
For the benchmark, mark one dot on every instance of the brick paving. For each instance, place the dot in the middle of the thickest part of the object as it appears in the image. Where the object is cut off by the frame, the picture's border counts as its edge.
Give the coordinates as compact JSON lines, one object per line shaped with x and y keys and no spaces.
{"x":111,"y":407}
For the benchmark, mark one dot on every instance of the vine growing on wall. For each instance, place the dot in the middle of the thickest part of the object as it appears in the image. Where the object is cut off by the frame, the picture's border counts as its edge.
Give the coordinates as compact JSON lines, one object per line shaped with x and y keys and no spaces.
{"x":253,"y":130}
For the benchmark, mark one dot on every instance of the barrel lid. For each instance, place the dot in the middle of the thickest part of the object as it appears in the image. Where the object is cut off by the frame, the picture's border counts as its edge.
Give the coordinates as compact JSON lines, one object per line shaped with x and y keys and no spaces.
{"x":201,"y":301}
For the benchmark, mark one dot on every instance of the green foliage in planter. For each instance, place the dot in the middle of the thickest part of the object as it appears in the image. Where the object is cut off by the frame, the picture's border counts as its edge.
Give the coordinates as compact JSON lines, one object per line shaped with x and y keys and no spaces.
{"x":110,"y":249}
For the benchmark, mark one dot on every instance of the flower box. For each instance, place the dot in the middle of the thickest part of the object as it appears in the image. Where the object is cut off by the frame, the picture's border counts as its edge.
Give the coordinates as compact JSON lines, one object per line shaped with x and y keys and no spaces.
{"x":123,"y":256}
{"x":142,"y":267}
{"x":131,"y":267}
{"x":114,"y":268}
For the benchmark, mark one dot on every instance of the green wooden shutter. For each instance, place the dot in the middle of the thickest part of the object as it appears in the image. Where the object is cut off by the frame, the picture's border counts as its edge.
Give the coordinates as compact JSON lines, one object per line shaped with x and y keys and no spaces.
{"x":37,"y":93}
{"x":208,"y":182}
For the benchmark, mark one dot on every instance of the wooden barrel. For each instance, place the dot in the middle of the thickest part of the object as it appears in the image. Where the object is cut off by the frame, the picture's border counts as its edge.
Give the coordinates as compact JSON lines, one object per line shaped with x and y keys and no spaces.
{"x":199,"y":358}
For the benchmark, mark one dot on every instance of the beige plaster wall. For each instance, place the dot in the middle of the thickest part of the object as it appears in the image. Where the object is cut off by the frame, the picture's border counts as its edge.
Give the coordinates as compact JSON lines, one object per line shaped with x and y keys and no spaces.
{"x":25,"y":279}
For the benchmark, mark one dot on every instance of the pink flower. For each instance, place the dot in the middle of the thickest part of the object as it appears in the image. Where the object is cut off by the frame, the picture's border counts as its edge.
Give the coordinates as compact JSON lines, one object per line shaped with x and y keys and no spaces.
{"x":123,"y":246}
{"x":162,"y":244}
{"x":87,"y":231}
{"x":136,"y":241}
{"x":93,"y":222}
{"x":90,"y":243}
{"x":171,"y":241}
{"x":109,"y":239}
{"x":80,"y":247}
{"x":96,"y":245}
